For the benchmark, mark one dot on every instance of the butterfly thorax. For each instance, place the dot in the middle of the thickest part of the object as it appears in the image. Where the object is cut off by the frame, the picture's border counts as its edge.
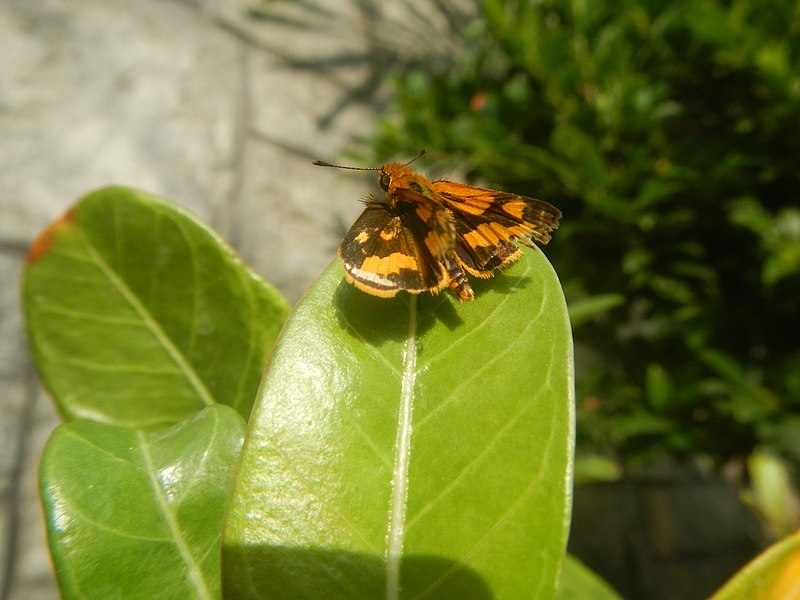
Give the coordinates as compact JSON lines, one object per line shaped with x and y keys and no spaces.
{"x":404,"y":187}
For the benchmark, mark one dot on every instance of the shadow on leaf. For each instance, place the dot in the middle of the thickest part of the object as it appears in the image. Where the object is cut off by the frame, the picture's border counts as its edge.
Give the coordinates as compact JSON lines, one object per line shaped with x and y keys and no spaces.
{"x":262,"y":571}
{"x":502,"y":283}
{"x":377,"y":320}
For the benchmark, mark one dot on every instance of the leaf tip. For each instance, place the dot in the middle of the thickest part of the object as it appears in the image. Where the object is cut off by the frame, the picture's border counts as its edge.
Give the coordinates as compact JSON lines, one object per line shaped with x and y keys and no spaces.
{"x":44,"y":242}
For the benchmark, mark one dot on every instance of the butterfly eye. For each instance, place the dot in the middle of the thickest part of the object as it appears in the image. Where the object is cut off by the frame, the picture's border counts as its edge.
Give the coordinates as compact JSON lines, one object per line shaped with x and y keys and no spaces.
{"x":384,"y":182}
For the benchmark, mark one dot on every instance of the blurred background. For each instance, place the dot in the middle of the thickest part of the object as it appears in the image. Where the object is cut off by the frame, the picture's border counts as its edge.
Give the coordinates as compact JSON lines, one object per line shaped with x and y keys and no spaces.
{"x":667,"y":133}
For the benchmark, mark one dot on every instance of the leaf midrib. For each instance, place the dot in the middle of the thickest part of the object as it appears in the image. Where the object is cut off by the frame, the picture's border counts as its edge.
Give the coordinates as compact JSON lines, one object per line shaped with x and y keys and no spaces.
{"x":196,"y":573}
{"x":400,"y":480}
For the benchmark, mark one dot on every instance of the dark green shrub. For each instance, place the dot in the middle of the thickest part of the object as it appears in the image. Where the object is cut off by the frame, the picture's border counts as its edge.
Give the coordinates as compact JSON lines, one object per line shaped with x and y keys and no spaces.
{"x":669,"y":135}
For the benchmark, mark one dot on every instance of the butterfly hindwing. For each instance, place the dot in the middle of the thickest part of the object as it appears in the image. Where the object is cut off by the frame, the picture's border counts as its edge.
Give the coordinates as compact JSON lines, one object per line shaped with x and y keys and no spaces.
{"x":392,"y":249}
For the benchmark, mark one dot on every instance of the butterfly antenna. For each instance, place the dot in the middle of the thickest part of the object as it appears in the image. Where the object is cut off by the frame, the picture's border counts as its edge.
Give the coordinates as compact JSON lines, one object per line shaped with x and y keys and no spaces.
{"x":419,"y":154}
{"x":322,"y":163}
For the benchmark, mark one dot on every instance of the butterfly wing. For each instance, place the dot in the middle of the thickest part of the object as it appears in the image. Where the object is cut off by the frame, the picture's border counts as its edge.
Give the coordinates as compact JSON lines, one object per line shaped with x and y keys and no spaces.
{"x":391,"y":249}
{"x":488,"y":223}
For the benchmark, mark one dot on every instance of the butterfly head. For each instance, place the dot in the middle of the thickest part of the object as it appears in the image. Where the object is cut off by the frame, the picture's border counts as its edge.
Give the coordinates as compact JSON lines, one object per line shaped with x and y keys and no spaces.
{"x":395,"y":177}
{"x":401,"y":184}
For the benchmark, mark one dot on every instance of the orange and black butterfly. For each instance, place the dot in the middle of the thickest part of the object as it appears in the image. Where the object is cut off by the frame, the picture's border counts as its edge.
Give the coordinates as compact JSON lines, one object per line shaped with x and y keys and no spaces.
{"x":424,"y":236}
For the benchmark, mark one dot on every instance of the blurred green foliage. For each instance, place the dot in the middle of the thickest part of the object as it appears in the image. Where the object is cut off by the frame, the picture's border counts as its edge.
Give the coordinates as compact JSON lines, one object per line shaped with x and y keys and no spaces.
{"x":669,"y":136}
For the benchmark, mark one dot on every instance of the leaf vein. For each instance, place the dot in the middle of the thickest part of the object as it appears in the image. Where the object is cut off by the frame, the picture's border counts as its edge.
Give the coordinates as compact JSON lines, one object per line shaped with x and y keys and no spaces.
{"x":56,"y":309}
{"x":487,"y":320}
{"x":311,"y":492}
{"x":474,"y":461}
{"x":477,"y":373}
{"x":462,"y":561}
{"x":157,"y":331}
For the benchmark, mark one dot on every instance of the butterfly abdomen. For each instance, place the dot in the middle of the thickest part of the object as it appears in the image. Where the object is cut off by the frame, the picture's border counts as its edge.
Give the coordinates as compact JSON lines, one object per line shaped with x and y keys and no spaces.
{"x":458,"y":283}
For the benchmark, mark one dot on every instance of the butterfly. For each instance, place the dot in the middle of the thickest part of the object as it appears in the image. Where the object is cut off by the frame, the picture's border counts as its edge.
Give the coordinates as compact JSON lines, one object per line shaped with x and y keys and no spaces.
{"x":424,"y":236}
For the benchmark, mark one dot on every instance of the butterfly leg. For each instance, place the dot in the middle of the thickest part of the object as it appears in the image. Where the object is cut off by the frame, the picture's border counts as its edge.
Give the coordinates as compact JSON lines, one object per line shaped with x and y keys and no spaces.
{"x":458,"y":282}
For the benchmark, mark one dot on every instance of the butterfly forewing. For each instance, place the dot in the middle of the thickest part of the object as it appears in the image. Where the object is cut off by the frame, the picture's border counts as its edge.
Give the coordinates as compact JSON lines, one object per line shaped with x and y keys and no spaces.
{"x":488,"y":223}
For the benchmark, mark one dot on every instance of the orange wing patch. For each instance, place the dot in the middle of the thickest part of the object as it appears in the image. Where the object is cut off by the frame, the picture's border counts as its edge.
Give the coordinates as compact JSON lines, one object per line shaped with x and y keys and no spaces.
{"x":515,"y":208}
{"x":386,"y":265}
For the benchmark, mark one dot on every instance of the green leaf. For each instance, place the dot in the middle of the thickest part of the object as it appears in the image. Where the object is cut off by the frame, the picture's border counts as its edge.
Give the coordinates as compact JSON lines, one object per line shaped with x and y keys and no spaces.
{"x":579,"y":582}
{"x":773,"y":575}
{"x":138,"y":515}
{"x":139,"y":315}
{"x":659,"y":387}
{"x":406,"y":453}
{"x":593,"y":468}
{"x":581,"y":149}
{"x":586,"y":309}
{"x":772,"y":494}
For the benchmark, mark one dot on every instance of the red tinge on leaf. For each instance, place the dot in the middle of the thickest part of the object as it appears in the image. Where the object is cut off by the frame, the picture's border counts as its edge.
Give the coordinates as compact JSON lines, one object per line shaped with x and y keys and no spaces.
{"x":44,"y":243}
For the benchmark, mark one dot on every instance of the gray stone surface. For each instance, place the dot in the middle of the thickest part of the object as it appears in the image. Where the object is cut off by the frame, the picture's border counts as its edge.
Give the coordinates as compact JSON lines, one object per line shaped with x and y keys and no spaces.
{"x":112,"y":91}
{"x":32,"y":576}
{"x":217,"y":105}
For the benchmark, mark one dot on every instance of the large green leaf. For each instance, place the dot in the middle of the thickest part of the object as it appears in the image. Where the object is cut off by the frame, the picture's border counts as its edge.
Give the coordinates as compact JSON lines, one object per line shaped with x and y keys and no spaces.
{"x":410,"y":453}
{"x":139,"y":315}
{"x":132,"y":514}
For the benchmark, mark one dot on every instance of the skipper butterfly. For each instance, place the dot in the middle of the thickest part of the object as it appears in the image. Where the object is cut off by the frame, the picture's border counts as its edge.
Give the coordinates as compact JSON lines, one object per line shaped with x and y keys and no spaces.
{"x":423,"y":236}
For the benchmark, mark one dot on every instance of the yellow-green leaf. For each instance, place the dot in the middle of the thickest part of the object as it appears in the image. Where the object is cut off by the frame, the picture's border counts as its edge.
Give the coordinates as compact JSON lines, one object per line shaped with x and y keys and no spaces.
{"x":773,"y":575}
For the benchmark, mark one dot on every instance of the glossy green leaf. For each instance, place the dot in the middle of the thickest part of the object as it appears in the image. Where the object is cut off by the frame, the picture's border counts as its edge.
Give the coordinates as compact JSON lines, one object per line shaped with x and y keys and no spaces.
{"x":773,"y":575}
{"x":139,"y":315}
{"x":579,"y":582}
{"x":406,"y":452}
{"x":132,"y":514}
